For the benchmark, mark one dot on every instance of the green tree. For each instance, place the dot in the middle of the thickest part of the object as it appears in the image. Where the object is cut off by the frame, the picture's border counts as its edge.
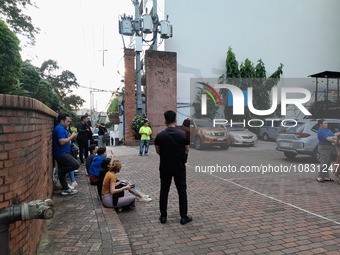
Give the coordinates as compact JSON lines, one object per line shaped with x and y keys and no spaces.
{"x":51,"y":89}
{"x":248,"y":75}
{"x":36,"y":87}
{"x":11,"y":12}
{"x":62,"y":82}
{"x":113,"y":105}
{"x":10,"y":61}
{"x":211,"y":107}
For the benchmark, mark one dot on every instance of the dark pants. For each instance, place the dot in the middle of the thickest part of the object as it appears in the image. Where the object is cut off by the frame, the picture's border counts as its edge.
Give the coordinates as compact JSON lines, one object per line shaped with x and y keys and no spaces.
{"x":66,"y":164}
{"x":83,"y":149}
{"x":181,"y":185}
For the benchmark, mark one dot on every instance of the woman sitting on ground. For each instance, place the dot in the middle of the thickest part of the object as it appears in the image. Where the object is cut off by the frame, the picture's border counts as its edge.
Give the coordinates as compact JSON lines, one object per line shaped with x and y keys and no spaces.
{"x":117,"y":195}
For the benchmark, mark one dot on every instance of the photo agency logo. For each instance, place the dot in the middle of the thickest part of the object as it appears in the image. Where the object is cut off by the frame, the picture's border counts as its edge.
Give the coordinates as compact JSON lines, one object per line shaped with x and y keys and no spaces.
{"x":239,"y":99}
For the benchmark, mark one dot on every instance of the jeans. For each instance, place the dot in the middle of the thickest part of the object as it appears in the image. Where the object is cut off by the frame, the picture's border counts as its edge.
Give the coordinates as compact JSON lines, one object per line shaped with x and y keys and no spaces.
{"x":72,"y":177}
{"x":181,"y":185}
{"x":66,"y":164}
{"x":144,"y":143}
{"x":100,"y":141}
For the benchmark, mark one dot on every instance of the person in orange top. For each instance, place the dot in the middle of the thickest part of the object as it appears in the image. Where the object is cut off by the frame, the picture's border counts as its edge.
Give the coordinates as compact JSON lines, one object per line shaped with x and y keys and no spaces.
{"x":118,"y":194}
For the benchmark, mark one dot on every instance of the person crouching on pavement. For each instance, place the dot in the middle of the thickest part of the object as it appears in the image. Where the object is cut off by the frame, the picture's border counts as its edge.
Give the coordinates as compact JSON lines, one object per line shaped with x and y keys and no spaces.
{"x":117,"y":195}
{"x":96,"y":165}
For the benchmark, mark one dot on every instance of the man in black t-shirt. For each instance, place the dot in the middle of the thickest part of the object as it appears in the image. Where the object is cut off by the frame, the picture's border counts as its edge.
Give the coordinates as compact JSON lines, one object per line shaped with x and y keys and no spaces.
{"x":84,"y":134}
{"x":172,"y":145}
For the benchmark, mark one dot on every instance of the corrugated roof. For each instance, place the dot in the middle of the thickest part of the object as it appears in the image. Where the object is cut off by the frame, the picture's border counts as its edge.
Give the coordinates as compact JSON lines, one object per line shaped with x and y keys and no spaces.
{"x":326,"y":74}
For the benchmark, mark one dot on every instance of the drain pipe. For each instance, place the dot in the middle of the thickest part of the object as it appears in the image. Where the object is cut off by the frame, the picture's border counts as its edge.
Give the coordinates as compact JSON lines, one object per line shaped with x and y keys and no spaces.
{"x":36,"y":209}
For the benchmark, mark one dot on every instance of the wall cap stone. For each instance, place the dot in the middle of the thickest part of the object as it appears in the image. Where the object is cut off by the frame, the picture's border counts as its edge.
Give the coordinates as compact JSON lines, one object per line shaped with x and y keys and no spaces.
{"x":27,"y":103}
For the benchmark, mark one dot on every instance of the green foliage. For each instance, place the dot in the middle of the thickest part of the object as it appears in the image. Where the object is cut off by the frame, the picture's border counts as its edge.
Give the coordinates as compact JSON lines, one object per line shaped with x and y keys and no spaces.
{"x":11,"y":13}
{"x":10,"y":61}
{"x":248,"y":75}
{"x":211,"y":107}
{"x":62,"y":83}
{"x":49,"y":88}
{"x":137,"y":123}
{"x":113,"y":105}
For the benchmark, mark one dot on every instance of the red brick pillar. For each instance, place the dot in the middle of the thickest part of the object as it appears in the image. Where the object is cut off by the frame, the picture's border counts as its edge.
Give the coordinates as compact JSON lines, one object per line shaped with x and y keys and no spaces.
{"x":129,"y":94}
{"x":161,"y":86}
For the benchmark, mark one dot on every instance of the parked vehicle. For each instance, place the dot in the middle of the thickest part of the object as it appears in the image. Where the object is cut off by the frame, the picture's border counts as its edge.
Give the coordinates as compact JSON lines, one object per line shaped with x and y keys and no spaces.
{"x":270,"y":130}
{"x":239,"y":135}
{"x":94,"y":139}
{"x":302,"y":138}
{"x":203,"y":133}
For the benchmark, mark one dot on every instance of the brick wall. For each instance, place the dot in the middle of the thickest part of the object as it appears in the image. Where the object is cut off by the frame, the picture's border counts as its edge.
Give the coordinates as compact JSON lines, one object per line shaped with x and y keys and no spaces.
{"x":129,"y":95}
{"x":26,"y":127}
{"x":161,"y":86}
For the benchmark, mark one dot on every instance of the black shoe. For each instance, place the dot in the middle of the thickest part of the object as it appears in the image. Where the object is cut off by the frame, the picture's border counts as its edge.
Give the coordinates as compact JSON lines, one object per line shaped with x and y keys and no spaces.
{"x":162,"y":219}
{"x":186,"y":219}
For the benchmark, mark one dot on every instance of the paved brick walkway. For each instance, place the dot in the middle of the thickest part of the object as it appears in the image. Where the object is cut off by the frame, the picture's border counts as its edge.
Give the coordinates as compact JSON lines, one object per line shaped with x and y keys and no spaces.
{"x":233,"y":213}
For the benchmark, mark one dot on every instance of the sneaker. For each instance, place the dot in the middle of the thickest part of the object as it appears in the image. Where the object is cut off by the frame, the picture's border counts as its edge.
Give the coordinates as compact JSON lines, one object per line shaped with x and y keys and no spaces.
{"x":70,"y":186}
{"x":74,"y":184}
{"x":145,"y":199}
{"x":69,"y":192}
{"x":146,"y":195}
{"x":76,"y":171}
{"x":55,"y":175}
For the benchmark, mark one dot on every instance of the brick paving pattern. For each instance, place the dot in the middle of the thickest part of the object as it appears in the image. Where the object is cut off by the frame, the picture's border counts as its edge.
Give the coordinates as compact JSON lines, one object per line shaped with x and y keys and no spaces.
{"x":233,"y":213}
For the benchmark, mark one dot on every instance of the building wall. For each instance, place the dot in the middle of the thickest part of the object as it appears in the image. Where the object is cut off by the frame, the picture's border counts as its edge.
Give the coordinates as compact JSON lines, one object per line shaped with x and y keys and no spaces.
{"x":161,"y":86}
{"x":26,"y":164}
{"x":301,"y":35}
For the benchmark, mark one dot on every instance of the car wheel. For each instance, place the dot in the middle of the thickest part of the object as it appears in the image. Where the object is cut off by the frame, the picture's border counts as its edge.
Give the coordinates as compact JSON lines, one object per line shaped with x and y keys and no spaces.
{"x":289,"y":155}
{"x":265,"y":137}
{"x":198,"y":144}
{"x":316,"y":156}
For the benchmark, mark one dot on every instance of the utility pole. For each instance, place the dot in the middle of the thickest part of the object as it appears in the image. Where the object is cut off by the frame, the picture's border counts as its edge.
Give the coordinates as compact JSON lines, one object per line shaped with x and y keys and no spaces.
{"x":138,"y":39}
{"x":138,"y":27}
{"x":154,"y":14}
{"x":92,"y":90}
{"x":103,"y":50}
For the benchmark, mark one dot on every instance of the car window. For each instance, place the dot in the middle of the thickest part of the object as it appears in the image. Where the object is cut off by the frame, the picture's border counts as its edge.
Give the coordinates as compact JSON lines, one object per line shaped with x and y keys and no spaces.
{"x":204,"y":123}
{"x":315,"y":127}
{"x":334,"y":127}
{"x":236,"y":128}
{"x":297,"y":129}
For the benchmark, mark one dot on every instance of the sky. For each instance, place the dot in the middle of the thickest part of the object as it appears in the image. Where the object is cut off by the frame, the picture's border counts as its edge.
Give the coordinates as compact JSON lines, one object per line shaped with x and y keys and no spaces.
{"x":74,"y":33}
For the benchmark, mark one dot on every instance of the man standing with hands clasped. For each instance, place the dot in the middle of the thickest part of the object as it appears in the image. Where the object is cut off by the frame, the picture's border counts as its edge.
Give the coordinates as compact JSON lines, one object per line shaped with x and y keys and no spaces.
{"x":172,"y":147}
{"x":145,"y":132}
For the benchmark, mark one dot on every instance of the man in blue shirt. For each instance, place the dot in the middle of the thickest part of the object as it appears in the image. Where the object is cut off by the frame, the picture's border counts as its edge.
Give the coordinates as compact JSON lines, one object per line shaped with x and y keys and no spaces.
{"x":326,"y":145}
{"x":62,"y":152}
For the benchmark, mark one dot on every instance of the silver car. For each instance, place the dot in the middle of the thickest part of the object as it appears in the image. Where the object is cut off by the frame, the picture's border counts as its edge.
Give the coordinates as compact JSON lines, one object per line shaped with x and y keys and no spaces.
{"x":239,"y":135}
{"x":302,"y":138}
